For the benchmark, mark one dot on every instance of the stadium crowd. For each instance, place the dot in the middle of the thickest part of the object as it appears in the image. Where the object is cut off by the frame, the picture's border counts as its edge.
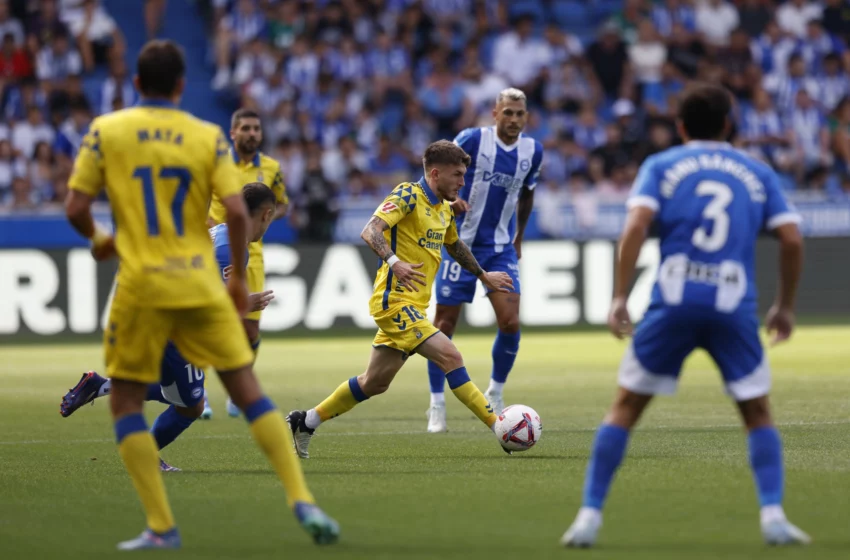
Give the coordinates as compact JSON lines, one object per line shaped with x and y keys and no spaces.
{"x":351,"y":91}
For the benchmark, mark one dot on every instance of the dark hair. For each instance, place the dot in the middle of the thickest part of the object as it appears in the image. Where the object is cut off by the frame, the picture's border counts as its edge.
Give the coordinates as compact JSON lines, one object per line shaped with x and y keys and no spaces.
{"x":443,"y":152}
{"x":160,"y":67}
{"x":256,"y":196}
{"x":704,"y":112}
{"x":240,"y":114}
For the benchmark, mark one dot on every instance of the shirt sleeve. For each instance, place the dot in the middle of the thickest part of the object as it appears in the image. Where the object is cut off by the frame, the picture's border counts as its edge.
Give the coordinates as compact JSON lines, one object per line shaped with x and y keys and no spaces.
{"x":87,"y":175}
{"x":451,"y":231}
{"x":394,"y":208}
{"x":645,"y":191}
{"x":468,"y":140}
{"x":225,"y":178}
{"x":278,"y":187}
{"x":777,"y":210}
{"x":536,"y":165}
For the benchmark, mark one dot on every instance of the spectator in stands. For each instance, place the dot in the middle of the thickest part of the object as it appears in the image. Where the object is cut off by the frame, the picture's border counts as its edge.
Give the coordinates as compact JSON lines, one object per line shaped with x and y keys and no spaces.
{"x":835,"y":83}
{"x":10,"y":167}
{"x":15,"y":63}
{"x":303,"y":67}
{"x":389,"y":68}
{"x":70,"y":136}
{"x":117,"y":85}
{"x":609,"y":59}
{"x":30,"y":132}
{"x":811,"y":138}
{"x":818,"y":43}
{"x":10,"y":25}
{"x":836,"y":18}
{"x":57,"y":61}
{"x":589,"y":134}
{"x":754,"y":16}
{"x":716,"y":19}
{"x":442,"y":97}
{"x":519,"y":57}
{"x":673,"y":12}
{"x":42,"y":174}
{"x":339,"y":162}
{"x":647,"y":54}
{"x":388,"y":167}
{"x":22,"y":198}
{"x":772,"y":48}
{"x":628,"y":19}
{"x":98,"y":37}
{"x":839,"y":126}
{"x":684,"y":51}
{"x":62,"y":99}
{"x":285,"y":24}
{"x":763,"y":134}
{"x":255,"y":62}
{"x":793,"y":15}
{"x":44,"y":25}
{"x":154,"y":13}
{"x":234,"y":32}
{"x":784,"y":87}
{"x":266,"y":95}
{"x":318,"y":199}
{"x":613,"y":152}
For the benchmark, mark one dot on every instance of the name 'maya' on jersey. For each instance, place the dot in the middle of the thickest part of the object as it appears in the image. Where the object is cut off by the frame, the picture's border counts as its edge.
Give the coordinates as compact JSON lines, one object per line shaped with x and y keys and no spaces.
{"x":493,"y":183}
{"x":420,"y":223}
{"x":160,"y":167}
{"x":711,"y":203}
{"x":260,"y":169}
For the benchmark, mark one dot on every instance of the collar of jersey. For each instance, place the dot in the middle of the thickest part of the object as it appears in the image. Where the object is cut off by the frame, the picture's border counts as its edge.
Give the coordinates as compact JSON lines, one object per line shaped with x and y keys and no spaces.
{"x":432,"y":198}
{"x":708,"y":144}
{"x":506,"y":147}
{"x":236,"y":159}
{"x":160,"y":103}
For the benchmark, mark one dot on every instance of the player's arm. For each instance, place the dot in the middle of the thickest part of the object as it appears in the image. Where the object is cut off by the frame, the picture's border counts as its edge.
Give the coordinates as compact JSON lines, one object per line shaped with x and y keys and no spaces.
{"x":86,"y":181}
{"x":407,"y":273}
{"x":495,"y":281}
{"x":279,"y":189}
{"x":523,"y":213}
{"x":634,"y":234}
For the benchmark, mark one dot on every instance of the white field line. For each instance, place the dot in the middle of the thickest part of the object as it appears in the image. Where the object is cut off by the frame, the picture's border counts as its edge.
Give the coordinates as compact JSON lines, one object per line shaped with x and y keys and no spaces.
{"x":422,"y":433}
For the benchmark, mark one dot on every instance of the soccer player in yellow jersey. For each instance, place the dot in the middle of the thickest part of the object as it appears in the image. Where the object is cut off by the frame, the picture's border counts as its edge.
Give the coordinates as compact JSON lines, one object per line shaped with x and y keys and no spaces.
{"x":160,"y":166}
{"x":246,"y":132}
{"x":408,"y":232}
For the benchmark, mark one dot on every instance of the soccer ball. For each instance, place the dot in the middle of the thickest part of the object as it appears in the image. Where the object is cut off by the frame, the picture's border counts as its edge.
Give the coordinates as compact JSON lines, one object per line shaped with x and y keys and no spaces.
{"x":518,"y":427}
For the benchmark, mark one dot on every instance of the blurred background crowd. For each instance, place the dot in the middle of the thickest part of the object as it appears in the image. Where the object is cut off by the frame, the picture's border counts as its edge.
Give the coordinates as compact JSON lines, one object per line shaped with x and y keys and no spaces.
{"x":351,"y":91}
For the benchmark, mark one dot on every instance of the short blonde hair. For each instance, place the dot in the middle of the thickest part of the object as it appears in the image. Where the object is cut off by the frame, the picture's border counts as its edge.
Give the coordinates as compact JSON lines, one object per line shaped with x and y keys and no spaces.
{"x":511,"y":94}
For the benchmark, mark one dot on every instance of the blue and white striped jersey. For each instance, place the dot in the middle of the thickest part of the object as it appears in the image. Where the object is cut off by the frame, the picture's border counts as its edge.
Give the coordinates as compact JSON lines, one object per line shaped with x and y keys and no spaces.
{"x":494,"y":180}
{"x":221,"y":245}
{"x":711,"y":202}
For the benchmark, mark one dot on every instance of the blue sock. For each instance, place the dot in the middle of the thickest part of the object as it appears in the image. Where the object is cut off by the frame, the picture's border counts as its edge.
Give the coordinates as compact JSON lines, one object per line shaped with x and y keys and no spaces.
{"x":766,"y":462}
{"x":609,"y":447}
{"x":505,"y":349}
{"x":168,"y":426}
{"x":155,"y":394}
{"x":436,"y":377}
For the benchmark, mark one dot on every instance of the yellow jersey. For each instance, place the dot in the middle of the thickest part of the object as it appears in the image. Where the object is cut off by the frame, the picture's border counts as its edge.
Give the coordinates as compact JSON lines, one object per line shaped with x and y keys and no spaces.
{"x":420,"y":223}
{"x":261,"y":169}
{"x":160,"y":167}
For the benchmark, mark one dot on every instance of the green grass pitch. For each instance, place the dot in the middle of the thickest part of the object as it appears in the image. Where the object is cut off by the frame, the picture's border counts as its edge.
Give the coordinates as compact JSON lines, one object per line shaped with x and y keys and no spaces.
{"x":685,"y":490}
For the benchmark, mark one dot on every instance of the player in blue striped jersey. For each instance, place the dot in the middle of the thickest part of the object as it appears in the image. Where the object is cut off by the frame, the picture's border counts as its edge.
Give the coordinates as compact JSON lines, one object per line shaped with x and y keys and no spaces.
{"x":181,"y":385}
{"x":492,"y":211}
{"x":710,"y":202}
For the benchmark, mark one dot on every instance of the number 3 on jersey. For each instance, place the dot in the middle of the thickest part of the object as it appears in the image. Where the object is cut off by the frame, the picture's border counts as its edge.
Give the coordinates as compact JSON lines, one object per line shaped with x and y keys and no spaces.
{"x":715,"y":211}
{"x":183,"y":177}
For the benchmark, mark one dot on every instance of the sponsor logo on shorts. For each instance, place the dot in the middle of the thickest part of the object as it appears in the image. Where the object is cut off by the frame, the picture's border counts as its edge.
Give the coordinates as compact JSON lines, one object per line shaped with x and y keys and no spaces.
{"x":197,"y":392}
{"x":417,"y":332}
{"x":446,"y":291}
{"x":388,"y":207}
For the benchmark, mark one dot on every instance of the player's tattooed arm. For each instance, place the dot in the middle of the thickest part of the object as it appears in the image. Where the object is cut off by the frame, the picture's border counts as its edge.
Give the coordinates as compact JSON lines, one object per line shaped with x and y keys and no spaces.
{"x":464,"y":257}
{"x":373,"y":235}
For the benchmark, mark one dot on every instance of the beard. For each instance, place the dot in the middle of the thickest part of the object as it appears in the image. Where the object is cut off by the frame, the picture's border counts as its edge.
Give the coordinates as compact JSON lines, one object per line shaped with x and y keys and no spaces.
{"x":248,"y":146}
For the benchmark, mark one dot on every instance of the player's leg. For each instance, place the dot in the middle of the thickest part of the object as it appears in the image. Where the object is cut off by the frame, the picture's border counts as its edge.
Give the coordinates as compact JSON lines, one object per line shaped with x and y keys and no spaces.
{"x":212,"y":335}
{"x":442,"y":351}
{"x":737,"y":351}
{"x":506,"y":307}
{"x":251,"y":322}
{"x":384,"y":364}
{"x":445,"y":319}
{"x":650,"y":366}
{"x":506,"y":345}
{"x":453,"y":287}
{"x":135,"y":340}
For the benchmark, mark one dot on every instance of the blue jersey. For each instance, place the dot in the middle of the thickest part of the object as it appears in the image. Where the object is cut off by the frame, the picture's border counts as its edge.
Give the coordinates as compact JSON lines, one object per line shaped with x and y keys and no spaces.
{"x":496,"y":176}
{"x":711,"y":202}
{"x":221,"y":244}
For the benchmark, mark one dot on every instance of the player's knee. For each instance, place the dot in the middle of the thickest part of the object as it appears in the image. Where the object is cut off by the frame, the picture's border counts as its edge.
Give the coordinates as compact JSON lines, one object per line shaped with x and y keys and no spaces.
{"x":756,"y":413}
{"x":446,"y":325}
{"x":372,"y":385}
{"x":451,"y":360}
{"x":252,"y":329}
{"x":194,"y":412}
{"x":509,"y":325}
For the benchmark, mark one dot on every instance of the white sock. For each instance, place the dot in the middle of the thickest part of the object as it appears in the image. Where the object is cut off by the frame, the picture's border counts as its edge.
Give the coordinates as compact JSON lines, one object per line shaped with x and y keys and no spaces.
{"x":438,"y":399}
{"x":313,"y":421}
{"x":589,"y":514}
{"x":495,"y":387}
{"x":772,"y":513}
{"x":104,"y":389}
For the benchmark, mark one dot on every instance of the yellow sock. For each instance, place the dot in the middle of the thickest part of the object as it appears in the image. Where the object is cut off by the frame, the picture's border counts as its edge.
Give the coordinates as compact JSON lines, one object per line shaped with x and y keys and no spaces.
{"x":141,"y":458}
{"x":271,"y":433}
{"x":342,"y":400}
{"x":467,"y":393}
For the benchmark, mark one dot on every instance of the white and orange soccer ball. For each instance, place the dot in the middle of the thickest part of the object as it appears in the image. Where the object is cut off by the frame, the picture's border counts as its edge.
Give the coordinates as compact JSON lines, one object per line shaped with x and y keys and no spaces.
{"x":518,"y":428}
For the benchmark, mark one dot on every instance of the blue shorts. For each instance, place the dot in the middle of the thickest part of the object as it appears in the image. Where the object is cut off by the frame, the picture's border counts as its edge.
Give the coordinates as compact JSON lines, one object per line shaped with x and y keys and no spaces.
{"x":667,"y":335}
{"x":182,"y":383}
{"x":456,"y":286}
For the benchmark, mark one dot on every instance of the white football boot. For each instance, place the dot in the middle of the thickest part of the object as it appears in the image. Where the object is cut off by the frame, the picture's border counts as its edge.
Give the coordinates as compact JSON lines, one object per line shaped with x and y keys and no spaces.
{"x":497,"y":402}
{"x":780,"y":532}
{"x":437,"y":419}
{"x":584,"y":530}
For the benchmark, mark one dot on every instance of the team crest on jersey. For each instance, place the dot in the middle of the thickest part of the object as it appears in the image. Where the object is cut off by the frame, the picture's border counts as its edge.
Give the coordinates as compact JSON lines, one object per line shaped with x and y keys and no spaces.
{"x":260,"y":177}
{"x":388,"y":207}
{"x":428,"y":212}
{"x":525,"y":165}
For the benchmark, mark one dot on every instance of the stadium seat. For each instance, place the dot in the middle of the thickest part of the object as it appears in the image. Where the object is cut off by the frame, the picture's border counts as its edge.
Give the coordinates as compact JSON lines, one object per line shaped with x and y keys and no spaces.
{"x":532,"y":8}
{"x":571,"y":15}
{"x":604,"y":9}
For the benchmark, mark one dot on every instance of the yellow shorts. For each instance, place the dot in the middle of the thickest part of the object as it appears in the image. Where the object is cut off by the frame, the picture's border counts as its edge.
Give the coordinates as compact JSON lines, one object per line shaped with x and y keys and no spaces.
{"x":256,"y":274}
{"x":403,"y":327}
{"x":136,"y":336}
